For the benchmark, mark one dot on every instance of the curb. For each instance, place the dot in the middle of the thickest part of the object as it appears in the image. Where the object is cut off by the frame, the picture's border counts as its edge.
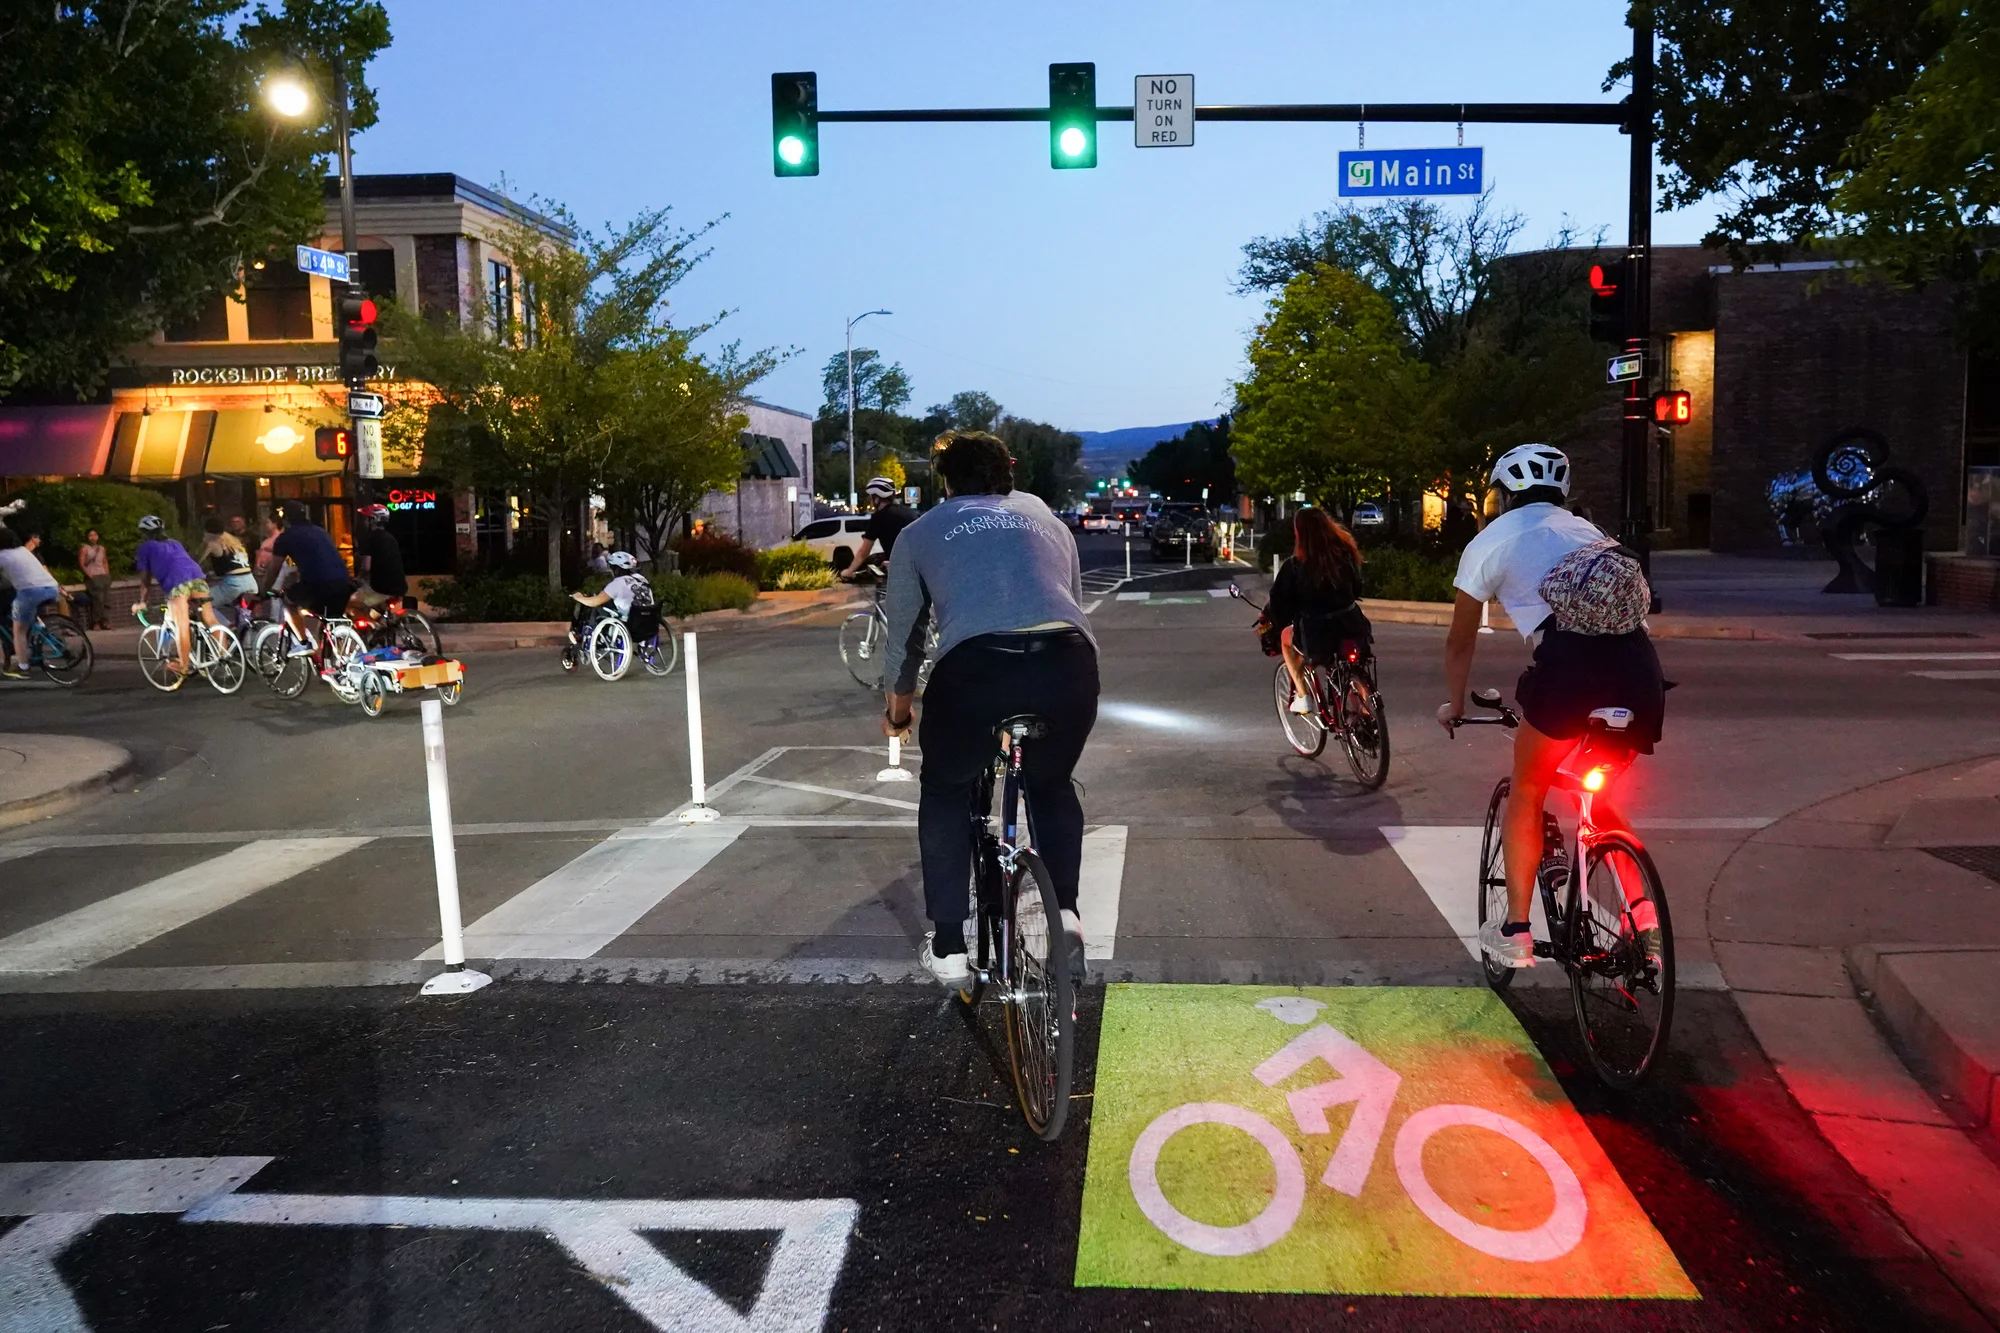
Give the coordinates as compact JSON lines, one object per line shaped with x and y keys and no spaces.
{"x":26,"y":809}
{"x":1964,"y":1081}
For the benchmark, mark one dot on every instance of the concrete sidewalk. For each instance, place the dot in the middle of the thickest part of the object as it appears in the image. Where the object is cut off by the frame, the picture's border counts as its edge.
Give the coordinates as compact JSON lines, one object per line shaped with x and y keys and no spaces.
{"x":40,"y":775}
{"x":1862,"y":943}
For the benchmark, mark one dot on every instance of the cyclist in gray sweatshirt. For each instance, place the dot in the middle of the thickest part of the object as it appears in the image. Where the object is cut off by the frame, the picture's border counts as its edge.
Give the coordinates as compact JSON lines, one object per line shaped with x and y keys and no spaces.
{"x":1000,"y":573}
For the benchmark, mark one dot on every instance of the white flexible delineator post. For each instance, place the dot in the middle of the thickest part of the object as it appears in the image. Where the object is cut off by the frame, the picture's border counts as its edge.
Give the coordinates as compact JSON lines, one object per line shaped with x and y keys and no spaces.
{"x":895,"y":772}
{"x":1128,"y":551}
{"x":1485,"y":617}
{"x":456,"y":979}
{"x":698,"y":811}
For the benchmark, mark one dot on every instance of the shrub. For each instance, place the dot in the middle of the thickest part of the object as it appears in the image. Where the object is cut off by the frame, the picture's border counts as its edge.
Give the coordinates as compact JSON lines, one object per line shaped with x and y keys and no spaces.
{"x":710,"y":552}
{"x":715,"y":592}
{"x":1277,"y":540}
{"x":806,"y":580}
{"x":61,"y":512}
{"x":796,"y":558}
{"x":1397,"y":575}
{"x":498,"y":597}
{"x":674,"y":593}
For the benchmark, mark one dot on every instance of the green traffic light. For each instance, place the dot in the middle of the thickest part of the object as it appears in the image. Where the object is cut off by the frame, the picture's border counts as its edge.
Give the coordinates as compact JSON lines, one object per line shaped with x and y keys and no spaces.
{"x":1073,"y":142}
{"x":1073,"y":115}
{"x":792,"y":149}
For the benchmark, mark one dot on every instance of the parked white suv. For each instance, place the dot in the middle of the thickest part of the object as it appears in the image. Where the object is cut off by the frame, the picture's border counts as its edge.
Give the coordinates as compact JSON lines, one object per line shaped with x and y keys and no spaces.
{"x":836,"y":538}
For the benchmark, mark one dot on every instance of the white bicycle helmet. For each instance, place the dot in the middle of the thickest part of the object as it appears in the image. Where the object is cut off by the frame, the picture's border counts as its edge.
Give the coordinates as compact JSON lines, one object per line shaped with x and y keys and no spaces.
{"x":152,"y":523}
{"x":1530,"y":465}
{"x":881,"y":487}
{"x":624,"y":560}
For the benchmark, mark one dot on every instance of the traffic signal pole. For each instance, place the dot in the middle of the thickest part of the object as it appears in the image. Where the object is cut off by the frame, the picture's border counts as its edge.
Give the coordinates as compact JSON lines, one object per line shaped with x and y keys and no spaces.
{"x":351,"y":467}
{"x":1636,"y":525}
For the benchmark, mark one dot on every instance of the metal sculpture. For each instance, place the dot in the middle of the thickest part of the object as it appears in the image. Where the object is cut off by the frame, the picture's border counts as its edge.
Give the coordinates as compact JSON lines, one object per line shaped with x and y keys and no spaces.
{"x":1849,"y":489}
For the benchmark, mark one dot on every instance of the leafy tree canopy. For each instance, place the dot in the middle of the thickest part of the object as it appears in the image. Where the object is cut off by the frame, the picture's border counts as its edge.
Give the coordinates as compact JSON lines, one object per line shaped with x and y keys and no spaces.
{"x":877,"y":384}
{"x":1046,"y":459}
{"x":1196,"y":459}
{"x":141,"y":169}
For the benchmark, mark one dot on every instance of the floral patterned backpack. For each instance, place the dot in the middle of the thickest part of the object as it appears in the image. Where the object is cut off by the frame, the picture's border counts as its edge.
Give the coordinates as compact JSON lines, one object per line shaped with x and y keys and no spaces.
{"x":1597,"y":589}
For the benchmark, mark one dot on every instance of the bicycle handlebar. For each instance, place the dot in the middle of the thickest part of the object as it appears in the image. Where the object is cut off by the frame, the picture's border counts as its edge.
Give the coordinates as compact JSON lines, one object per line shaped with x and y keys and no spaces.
{"x":1507,"y":717}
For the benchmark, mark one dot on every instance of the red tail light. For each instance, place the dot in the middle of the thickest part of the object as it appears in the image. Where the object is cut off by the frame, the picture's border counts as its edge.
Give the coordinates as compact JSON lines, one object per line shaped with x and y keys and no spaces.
{"x":1594,"y":780}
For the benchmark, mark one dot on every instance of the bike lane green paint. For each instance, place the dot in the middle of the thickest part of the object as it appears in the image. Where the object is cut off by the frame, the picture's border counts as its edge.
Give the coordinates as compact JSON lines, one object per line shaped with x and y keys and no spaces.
{"x":1367,"y":1141}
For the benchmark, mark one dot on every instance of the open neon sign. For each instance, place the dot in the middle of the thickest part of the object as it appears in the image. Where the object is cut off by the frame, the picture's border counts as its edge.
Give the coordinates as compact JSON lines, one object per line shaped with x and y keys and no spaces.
{"x":401,"y":500}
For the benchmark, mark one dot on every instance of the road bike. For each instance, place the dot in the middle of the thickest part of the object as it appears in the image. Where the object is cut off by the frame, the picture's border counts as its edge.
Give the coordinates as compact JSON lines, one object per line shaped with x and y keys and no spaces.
{"x":1609,"y":928}
{"x":864,"y":643}
{"x":214,"y":652}
{"x":1021,"y":950}
{"x":1344,"y":701}
{"x":288,"y":672}
{"x":611,"y":642}
{"x":58,"y":647}
{"x":396,"y":625}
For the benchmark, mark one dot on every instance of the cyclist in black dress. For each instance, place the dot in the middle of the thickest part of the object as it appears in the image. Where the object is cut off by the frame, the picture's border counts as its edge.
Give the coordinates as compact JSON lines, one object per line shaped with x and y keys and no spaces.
{"x":1315,"y":599}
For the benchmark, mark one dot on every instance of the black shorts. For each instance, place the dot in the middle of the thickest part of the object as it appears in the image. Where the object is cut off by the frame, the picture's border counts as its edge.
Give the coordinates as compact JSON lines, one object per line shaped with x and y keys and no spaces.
{"x":1574,"y":674}
{"x":325,"y":600}
{"x":1324,"y":639}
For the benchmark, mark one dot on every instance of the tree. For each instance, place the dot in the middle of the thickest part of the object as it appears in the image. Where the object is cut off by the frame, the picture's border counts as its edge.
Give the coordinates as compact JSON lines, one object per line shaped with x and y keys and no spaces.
{"x":600,"y":387}
{"x":877,"y":384}
{"x":1332,"y":405}
{"x":1760,"y":100}
{"x":1045,"y":458}
{"x":141,"y":171}
{"x":1922,"y":198}
{"x":968,"y":410}
{"x":1194,"y":461}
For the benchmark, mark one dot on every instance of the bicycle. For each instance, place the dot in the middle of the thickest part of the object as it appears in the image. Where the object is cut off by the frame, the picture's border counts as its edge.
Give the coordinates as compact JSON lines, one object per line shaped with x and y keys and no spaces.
{"x":1610,"y":932}
{"x":215,"y":653}
{"x":1345,"y":701}
{"x":288,"y":672}
{"x":396,"y":625}
{"x":1018,"y":942}
{"x":864,"y":643}
{"x":59,"y":647}
{"x":611,"y":641}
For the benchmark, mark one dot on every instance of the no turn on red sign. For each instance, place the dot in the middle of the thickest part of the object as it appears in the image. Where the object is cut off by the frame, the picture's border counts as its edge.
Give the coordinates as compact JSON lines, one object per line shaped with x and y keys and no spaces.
{"x":1163,"y":111}
{"x":1368,"y":1141}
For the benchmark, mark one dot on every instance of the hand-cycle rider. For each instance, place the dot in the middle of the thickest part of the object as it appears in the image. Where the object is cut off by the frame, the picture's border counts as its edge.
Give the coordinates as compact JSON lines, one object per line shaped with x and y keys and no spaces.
{"x":1535,"y":551}
{"x":627,"y":588}
{"x":1000,"y":573}
{"x":891,"y":516}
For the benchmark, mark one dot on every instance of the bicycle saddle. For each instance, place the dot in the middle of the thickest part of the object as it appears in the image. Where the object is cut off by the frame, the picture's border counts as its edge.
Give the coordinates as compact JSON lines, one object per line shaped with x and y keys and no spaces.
{"x":1616,"y":719}
{"x":1026,"y":726}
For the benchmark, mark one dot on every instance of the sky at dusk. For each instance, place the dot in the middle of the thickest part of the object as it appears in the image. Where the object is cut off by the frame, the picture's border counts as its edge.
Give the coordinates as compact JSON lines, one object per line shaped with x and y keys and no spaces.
{"x":1092,"y":299}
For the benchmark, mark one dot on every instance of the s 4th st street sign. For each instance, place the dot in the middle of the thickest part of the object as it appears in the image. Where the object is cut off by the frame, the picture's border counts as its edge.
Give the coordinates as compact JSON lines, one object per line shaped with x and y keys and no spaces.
{"x":1163,"y":111}
{"x":323,"y":263}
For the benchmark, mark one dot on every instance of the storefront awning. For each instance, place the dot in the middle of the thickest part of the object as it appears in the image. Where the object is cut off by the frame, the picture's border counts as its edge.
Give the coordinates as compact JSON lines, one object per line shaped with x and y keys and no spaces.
{"x":64,"y":441}
{"x":253,"y":443}
{"x":766,"y":457}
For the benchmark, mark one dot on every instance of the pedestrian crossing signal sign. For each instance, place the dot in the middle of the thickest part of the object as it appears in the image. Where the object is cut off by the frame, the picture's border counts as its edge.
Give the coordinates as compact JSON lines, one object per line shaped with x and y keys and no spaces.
{"x":331,"y":444}
{"x":1673,"y":409}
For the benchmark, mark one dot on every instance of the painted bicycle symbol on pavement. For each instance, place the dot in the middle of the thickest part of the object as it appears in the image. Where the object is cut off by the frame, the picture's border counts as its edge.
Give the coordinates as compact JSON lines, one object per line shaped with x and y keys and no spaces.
{"x":1371,"y":1086}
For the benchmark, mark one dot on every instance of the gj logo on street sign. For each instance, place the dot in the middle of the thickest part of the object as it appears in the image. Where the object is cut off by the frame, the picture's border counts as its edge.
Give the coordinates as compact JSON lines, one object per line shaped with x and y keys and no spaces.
{"x":323,"y":263}
{"x":1624,"y":366}
{"x":1373,"y":173}
{"x":1163,"y":111}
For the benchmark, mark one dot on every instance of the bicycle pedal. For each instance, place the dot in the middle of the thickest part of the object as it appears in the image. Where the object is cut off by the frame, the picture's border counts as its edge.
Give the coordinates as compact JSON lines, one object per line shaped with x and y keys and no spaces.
{"x":1544,"y":949}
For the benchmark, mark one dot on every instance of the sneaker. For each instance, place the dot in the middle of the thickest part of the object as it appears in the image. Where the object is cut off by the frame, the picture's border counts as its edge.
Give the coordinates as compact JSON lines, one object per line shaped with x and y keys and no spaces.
{"x":1073,"y":930}
{"x":1301,"y":705}
{"x":951,"y":970}
{"x":1648,"y":943}
{"x":1507,"y":950}
{"x":12,"y":672}
{"x":301,"y":649}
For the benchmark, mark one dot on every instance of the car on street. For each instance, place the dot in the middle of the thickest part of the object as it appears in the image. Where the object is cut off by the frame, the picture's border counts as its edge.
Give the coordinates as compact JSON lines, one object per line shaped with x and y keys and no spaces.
{"x":1181,"y":530}
{"x":837,"y":538}
{"x":1368,"y":514}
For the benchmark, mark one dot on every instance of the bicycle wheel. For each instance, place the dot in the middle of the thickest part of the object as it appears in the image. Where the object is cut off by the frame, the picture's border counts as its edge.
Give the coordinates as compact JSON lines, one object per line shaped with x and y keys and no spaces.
{"x":286,"y":673}
{"x":158,"y":656}
{"x":663,"y":654}
{"x":1041,"y":1010}
{"x":1491,"y":892}
{"x":1364,"y":731}
{"x":610,"y":649}
{"x":342,"y":649}
{"x":862,"y":637}
{"x":66,"y":652}
{"x":1302,"y":730}
{"x":373,"y":696}
{"x":1621,"y":974}
{"x":228,"y":668}
{"x":450,"y":692}
{"x":414,"y":630}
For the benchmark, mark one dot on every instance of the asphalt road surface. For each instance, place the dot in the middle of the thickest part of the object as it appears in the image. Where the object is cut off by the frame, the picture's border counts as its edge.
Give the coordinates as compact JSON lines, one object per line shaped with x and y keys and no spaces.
{"x":706,"y":1092}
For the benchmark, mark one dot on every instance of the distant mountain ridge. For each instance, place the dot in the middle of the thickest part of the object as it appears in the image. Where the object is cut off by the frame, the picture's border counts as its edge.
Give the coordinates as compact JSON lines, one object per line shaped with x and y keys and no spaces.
{"x":1106,"y":452}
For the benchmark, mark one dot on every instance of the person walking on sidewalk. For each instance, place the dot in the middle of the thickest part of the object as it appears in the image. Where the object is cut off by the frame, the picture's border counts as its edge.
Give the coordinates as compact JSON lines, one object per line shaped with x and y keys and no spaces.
{"x":1000,"y":573}
{"x":95,"y":562}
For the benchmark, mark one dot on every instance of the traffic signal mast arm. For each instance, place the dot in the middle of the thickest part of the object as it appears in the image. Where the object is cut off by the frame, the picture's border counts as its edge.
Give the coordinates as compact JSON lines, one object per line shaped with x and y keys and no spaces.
{"x":1495,"y":113}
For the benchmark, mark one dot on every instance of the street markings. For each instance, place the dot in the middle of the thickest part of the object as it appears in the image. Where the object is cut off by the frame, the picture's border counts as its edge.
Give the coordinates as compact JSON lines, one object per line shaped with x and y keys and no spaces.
{"x":590,"y":902}
{"x":1214,"y":1166}
{"x":1958,"y":675}
{"x":607,"y":1238}
{"x":1916,"y":657}
{"x":124,"y":921}
{"x":1098,"y":889}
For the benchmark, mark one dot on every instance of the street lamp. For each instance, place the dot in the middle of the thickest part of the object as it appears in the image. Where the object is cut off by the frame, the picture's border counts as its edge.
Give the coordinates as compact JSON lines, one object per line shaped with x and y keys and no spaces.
{"x":851,"y":497}
{"x":287,"y":96}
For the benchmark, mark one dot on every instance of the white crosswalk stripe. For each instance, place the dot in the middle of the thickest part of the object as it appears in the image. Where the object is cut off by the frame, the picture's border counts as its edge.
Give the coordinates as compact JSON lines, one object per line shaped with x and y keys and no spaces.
{"x":124,"y":921}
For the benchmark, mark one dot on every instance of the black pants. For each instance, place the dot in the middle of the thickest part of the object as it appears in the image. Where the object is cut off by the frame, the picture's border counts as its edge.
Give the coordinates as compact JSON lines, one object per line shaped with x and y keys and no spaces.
{"x":978,"y":685}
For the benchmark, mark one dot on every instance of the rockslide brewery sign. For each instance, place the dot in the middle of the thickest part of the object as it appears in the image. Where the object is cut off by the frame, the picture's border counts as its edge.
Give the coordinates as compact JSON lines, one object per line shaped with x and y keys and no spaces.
{"x":264,"y":374}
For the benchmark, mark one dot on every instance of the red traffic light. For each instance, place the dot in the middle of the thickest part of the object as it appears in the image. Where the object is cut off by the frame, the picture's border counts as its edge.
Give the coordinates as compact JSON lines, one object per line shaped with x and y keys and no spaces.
{"x":360,"y":314}
{"x":1673,"y":409}
{"x":1604,"y":278}
{"x":330,"y":444}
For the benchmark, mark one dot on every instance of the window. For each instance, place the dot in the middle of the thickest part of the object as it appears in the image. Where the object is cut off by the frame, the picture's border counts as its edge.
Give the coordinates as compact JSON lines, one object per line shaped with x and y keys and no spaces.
{"x":209,"y":324}
{"x":826,"y":527}
{"x":500,"y":293}
{"x":377,"y":271}
{"x":857,"y":524}
{"x":531,"y":324}
{"x":280,"y":301}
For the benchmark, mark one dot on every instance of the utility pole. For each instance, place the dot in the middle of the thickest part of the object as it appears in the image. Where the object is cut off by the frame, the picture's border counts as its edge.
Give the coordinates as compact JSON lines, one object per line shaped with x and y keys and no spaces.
{"x":852,"y":498}
{"x":1636,"y":525}
{"x":348,"y":246}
